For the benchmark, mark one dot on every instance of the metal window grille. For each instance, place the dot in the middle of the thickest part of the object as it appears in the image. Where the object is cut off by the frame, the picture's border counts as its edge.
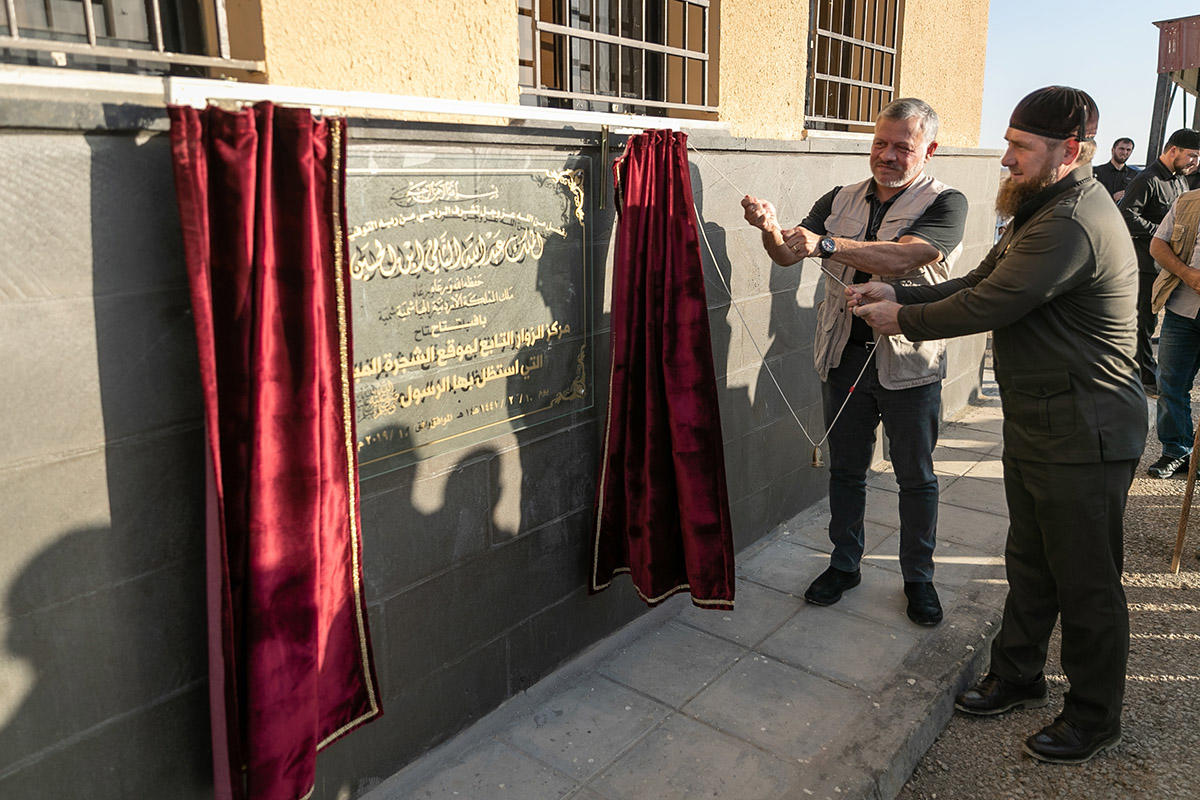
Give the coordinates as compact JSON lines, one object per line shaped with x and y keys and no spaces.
{"x":157,"y":34}
{"x":639,"y":56}
{"x":853,"y":59}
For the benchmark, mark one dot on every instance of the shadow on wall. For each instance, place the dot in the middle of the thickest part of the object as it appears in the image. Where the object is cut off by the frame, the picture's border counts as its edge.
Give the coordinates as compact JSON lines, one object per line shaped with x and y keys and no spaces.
{"x":477,"y":564}
{"x":83,"y":728}
{"x":766,"y":454}
{"x":106,"y":621}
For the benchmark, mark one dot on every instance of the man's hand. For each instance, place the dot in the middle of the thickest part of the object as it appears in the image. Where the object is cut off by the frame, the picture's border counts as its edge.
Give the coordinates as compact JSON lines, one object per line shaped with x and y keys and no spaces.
{"x":1117,"y":197}
{"x":882,"y":315}
{"x":861,"y":294}
{"x":802,"y":241}
{"x":760,"y":214}
{"x":1191,"y":277}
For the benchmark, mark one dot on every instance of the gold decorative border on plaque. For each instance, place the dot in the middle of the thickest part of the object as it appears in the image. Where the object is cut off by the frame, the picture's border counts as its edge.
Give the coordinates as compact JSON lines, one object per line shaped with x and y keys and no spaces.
{"x":578,"y":387}
{"x":572,"y":179}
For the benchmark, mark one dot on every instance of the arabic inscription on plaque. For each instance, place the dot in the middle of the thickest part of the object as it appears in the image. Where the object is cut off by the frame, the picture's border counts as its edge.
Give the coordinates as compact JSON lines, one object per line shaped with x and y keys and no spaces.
{"x":470,"y":302}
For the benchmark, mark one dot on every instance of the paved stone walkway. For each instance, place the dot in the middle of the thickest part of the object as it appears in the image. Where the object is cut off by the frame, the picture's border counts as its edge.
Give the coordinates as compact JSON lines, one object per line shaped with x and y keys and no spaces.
{"x":776,"y":699}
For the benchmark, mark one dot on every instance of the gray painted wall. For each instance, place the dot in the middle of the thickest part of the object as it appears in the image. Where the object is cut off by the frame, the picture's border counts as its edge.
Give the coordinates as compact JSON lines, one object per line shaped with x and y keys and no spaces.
{"x":476,"y":560}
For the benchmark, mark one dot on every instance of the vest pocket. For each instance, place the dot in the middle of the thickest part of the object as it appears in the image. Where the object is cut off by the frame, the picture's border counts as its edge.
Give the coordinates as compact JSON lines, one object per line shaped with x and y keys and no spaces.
{"x":1042,"y":403}
{"x":828,"y":314}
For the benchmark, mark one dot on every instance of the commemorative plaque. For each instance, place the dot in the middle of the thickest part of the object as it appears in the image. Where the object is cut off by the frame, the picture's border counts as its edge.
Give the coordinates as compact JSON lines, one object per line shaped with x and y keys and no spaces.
{"x":470,"y":298}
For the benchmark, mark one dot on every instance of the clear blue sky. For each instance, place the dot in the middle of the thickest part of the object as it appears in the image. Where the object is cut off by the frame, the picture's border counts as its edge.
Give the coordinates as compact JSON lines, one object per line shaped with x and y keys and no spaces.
{"x":1107,"y":48}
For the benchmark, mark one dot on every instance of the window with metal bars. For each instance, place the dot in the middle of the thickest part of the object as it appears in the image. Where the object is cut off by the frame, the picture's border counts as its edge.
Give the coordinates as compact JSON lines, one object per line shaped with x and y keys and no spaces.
{"x":628,"y":56}
{"x":175,"y":36}
{"x":853,"y":60}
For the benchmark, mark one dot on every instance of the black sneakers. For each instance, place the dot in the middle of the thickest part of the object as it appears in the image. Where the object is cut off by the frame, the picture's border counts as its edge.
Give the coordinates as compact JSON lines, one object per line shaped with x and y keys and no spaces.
{"x":1061,"y":742}
{"x":993,"y":695}
{"x":1166,"y":466}
{"x":827,"y":589}
{"x":924,"y":608}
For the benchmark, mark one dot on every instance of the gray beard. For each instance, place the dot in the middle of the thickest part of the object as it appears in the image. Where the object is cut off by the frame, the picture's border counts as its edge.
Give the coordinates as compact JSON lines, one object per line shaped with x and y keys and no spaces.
{"x":1012,"y":196}
{"x":902,"y":180}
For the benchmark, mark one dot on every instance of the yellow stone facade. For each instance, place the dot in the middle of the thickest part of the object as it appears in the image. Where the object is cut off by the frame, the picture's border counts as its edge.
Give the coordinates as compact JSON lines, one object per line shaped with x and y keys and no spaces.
{"x":942,"y":63}
{"x":449,"y":49}
{"x":468,"y":49}
{"x":763,"y":67}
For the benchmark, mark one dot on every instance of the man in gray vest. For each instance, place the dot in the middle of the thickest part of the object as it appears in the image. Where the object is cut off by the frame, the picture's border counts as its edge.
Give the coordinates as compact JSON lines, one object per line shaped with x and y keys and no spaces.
{"x":1176,"y":292}
{"x":1144,"y":205}
{"x":899,"y":226}
{"x":1059,"y":292}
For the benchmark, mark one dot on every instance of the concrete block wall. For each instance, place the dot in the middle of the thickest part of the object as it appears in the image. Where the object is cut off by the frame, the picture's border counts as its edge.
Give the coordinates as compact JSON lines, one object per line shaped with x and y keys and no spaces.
{"x":103,"y":688}
{"x":476,"y":560}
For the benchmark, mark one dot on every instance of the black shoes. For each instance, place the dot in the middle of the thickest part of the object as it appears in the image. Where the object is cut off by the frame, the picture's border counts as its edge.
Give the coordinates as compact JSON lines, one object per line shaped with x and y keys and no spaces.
{"x":1166,"y":466}
{"x":1061,"y":742}
{"x":994,"y":695}
{"x":923,"y":605}
{"x":924,"y":608}
{"x":827,"y":589}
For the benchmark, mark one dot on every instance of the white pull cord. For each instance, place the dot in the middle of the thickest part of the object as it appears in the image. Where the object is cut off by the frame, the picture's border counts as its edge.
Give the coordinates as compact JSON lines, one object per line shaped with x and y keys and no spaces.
{"x":816,"y":445}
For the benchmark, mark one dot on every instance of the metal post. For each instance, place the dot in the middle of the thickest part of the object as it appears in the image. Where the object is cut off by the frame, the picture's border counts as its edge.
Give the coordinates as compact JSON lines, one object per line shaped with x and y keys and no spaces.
{"x":620,"y":63}
{"x":110,"y":20}
{"x":643,"y":94}
{"x":666,"y":28}
{"x":537,"y":45}
{"x":684,"y":30}
{"x":222,"y":28}
{"x":11,"y":7}
{"x":156,"y":24}
{"x":89,"y":22}
{"x":704,"y":68}
{"x":1158,"y":118}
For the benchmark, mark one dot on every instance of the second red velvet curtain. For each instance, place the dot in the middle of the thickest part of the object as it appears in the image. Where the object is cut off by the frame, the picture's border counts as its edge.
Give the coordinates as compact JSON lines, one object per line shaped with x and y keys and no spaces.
{"x":662,"y":506}
{"x":261,"y":201}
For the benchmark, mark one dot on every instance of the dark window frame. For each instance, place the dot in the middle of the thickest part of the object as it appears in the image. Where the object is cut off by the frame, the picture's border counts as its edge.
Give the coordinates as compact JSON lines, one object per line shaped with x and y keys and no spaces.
{"x":853,"y":62}
{"x":160,"y":36}
{"x":630,"y":56}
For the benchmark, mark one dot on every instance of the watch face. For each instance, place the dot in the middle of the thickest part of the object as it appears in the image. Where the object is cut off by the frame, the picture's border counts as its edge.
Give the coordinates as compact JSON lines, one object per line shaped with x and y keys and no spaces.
{"x":827,"y":246}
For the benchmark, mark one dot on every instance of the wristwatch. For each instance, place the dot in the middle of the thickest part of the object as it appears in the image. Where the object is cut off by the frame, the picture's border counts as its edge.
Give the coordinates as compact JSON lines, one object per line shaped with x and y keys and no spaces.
{"x":826,"y":247}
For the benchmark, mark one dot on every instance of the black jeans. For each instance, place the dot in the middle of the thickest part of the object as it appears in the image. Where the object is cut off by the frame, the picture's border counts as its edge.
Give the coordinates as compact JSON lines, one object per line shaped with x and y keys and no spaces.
{"x":910,"y":418}
{"x":1064,"y":557}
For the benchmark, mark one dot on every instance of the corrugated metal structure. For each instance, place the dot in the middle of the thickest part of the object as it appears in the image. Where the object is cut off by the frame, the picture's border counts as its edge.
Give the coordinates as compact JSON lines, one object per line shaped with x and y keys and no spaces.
{"x":1178,"y":67}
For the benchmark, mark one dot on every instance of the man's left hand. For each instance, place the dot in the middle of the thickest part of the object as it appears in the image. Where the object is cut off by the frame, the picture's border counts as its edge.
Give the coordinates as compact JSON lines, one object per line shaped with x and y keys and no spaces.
{"x":802,"y":241}
{"x":882,"y":315}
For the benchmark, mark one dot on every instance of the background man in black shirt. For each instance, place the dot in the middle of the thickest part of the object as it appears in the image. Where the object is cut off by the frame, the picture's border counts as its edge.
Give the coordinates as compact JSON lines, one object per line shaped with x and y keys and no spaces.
{"x":1115,"y":174}
{"x":1144,"y":205}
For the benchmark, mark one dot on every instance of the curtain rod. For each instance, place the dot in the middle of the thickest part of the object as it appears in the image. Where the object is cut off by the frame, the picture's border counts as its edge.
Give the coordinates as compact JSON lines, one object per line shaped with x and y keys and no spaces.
{"x":198,"y":92}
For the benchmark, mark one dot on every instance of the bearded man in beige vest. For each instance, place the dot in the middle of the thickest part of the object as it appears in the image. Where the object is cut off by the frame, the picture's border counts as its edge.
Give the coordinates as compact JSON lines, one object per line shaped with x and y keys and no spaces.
{"x":899,"y":226}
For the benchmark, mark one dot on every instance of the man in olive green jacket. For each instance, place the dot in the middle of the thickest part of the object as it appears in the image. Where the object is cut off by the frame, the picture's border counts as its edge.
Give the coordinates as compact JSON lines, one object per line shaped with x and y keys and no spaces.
{"x":1059,"y":291}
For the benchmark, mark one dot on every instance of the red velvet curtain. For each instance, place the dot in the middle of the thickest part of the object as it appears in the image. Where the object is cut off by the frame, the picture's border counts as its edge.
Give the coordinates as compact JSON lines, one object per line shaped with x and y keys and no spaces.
{"x":261,"y":201}
{"x":662,"y":508}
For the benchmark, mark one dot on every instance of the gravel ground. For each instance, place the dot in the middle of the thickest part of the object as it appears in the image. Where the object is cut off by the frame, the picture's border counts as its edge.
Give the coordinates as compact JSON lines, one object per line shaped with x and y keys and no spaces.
{"x":1159,"y":757}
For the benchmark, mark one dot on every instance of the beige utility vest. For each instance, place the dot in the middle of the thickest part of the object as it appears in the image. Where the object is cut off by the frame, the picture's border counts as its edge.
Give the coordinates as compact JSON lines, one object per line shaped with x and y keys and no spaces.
{"x":901,"y":363}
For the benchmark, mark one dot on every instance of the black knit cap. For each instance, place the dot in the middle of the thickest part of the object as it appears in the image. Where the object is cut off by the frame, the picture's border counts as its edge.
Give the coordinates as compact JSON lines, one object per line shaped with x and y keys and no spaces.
{"x":1057,"y":112}
{"x":1185,"y":139}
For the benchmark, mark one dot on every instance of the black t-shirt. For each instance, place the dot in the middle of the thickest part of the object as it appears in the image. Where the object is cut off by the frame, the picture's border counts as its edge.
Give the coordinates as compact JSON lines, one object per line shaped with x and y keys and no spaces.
{"x":941,"y":225}
{"x":1113,"y":179}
